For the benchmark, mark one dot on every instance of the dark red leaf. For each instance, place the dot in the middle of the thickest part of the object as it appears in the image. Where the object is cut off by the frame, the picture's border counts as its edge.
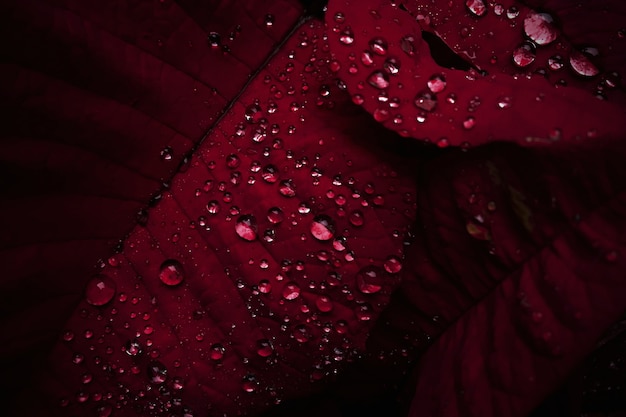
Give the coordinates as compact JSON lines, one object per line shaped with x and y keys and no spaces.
{"x":380,"y":54}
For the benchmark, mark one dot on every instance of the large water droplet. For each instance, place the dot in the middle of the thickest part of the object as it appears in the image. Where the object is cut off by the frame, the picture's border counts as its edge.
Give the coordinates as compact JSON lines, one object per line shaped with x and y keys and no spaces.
{"x":378,"y":79}
{"x":216,"y":352}
{"x":370,"y":279}
{"x":246,"y":227}
{"x":392,"y":66}
{"x":367,"y":59}
{"x":171,"y":272}
{"x":323,"y":227}
{"x":393,"y":264}
{"x":132,"y":347}
{"x":426,"y":101}
{"x":100,"y":290}
{"x":157,"y":372}
{"x":270,"y":174}
{"x":407,"y":44}
{"x":324,"y":304}
{"x":250,"y":383}
{"x":477,"y":7}
{"x":264,"y":348}
{"x":524,"y":55}
{"x":539,"y":27}
{"x":275,"y":215}
{"x":582,"y":65}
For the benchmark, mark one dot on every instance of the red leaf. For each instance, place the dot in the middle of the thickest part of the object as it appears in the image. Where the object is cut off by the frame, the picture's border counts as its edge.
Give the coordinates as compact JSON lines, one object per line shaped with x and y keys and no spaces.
{"x":380,"y":54}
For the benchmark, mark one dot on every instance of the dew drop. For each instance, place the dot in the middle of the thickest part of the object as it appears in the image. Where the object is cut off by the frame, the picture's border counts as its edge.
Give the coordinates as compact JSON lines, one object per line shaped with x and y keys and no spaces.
{"x":378,"y":79}
{"x":291,"y":291}
{"x":524,"y":55}
{"x":100,"y":290}
{"x":213,"y":207}
{"x":287,"y":188}
{"x":426,"y":101}
{"x":246,"y":227}
{"x":301,"y":333}
{"x":253,"y":113}
{"x":512,"y":12}
{"x":216,"y":352}
{"x":339,"y":17}
{"x":539,"y":27}
{"x":378,"y":46}
{"x":358,"y":99}
{"x":264,"y":348}
{"x":214,"y":39}
{"x":364,"y":312}
{"x":505,"y":102}
{"x":555,"y":62}
{"x":323,"y":227}
{"x":380,"y":115}
{"x":157,"y":372}
{"x":270,"y":174}
{"x":393,"y":265}
{"x":132,"y":348}
{"x":391,"y":66}
{"x":268,"y":20}
{"x":167,"y":153}
{"x":477,"y":7}
{"x":356,"y":218}
{"x":370,"y":279}
{"x":367,"y":59}
{"x":171,"y":272}
{"x":582,"y":65}
{"x":250,"y":383}
{"x":407,"y":44}
{"x":436,"y":83}
{"x":469,"y":123}
{"x":324,"y":304}
{"x":346,"y":37}
{"x":233,"y":161}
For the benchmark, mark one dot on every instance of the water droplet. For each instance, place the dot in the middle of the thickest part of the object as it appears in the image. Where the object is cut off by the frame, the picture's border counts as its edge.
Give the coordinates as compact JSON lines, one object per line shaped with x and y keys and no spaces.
{"x":157,"y":372}
{"x":171,"y":272}
{"x":469,"y":123}
{"x":512,"y":12}
{"x":132,"y":347}
{"x":393,"y":265}
{"x":437,"y":83}
{"x":358,"y":99}
{"x":270,"y":174}
{"x":582,"y":65}
{"x":264,"y":348}
{"x":477,"y":231}
{"x":232,"y":161}
{"x":379,"y":46}
{"x":246,"y":227}
{"x":370,"y":279}
{"x":287,"y":188}
{"x":346,"y":37}
{"x":498,"y":9}
{"x":505,"y":102}
{"x":217,"y":352}
{"x":339,"y":17}
{"x":392,"y":66}
{"x":275,"y":215}
{"x":291,"y":291}
{"x":380,"y":115}
{"x":524,"y":55}
{"x":477,"y":7}
{"x":268,"y":20}
{"x":356,"y":218}
{"x":555,"y":62}
{"x":249,"y":384}
{"x":407,"y":44}
{"x":324,"y":304}
{"x":253,"y":113}
{"x":166,"y":153}
{"x":426,"y":101}
{"x":367,"y":58}
{"x":301,"y":333}
{"x":100,"y":290}
{"x":364,"y":312}
{"x":539,"y":27}
{"x":323,"y":227}
{"x":378,"y":79}
{"x":214,"y":39}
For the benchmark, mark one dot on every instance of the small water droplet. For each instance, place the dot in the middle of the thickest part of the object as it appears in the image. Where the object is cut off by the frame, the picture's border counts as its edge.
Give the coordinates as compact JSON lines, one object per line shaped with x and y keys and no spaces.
{"x":539,"y":27}
{"x":287,"y":188}
{"x":436,"y":83}
{"x":214,"y":39}
{"x":291,"y":291}
{"x":505,"y":102}
{"x":250,"y":383}
{"x":157,"y":372}
{"x":270,"y":174}
{"x":512,"y":12}
{"x":364,"y":312}
{"x":407,"y":44}
{"x":246,"y":227}
{"x":132,"y":347}
{"x":171,"y":273}
{"x":469,"y":123}
{"x":339,"y":17}
{"x":253,"y":113}
{"x":323,"y":227}
{"x":216,"y":352}
{"x":356,"y":218}
{"x":275,"y":215}
{"x":392,"y":66}
{"x":370,"y":279}
{"x":167,"y":153}
{"x":393,"y":265}
{"x":555,"y":62}
{"x":324,"y":304}
{"x":524,"y":55}
{"x":264,"y":348}
{"x":378,"y":46}
{"x":426,"y":101}
{"x":346,"y":37}
{"x":367,"y":58}
{"x":301,"y":333}
{"x":268,"y":20}
{"x":358,"y":99}
{"x":378,"y":79}
{"x":477,"y":7}
{"x":100,"y":290}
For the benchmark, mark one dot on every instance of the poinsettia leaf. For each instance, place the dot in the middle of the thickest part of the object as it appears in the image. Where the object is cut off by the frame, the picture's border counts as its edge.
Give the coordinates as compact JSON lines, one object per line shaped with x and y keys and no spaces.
{"x":100,"y":104}
{"x":380,"y":54}
{"x":515,"y":274}
{"x":262,"y":266}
